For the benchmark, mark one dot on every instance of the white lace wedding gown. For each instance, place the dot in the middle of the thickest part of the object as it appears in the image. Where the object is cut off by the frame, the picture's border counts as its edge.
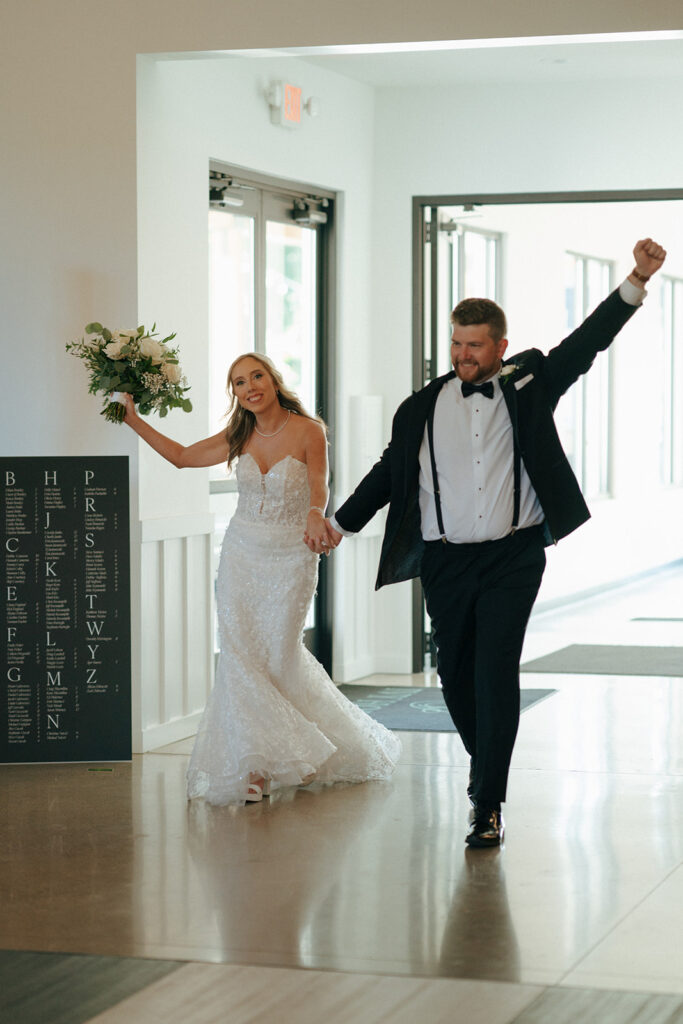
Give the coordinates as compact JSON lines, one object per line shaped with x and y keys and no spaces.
{"x":274,"y":710}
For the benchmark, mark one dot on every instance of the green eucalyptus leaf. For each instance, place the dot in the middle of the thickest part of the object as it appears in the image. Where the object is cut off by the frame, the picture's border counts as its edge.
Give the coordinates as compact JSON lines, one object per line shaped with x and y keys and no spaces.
{"x":93,"y":328}
{"x":106,"y":334}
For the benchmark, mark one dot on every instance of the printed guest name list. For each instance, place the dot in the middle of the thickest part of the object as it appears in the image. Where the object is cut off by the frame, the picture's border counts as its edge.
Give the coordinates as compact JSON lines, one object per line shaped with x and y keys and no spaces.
{"x":66,"y":607}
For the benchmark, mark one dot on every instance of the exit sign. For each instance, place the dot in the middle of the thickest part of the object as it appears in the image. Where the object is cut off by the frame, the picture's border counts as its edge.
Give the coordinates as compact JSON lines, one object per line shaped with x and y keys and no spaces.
{"x":286,"y":104}
{"x":291,"y":112}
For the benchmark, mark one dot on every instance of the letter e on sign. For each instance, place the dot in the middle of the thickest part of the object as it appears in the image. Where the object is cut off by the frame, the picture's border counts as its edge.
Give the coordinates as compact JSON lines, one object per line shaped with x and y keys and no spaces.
{"x":292,"y":104}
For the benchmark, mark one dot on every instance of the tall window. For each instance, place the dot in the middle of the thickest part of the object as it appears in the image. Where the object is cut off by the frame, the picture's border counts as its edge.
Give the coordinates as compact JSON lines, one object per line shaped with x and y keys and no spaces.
{"x":584,"y":413}
{"x":265,"y":305}
{"x":475,"y":264}
{"x":469,"y":261}
{"x":672,"y":414}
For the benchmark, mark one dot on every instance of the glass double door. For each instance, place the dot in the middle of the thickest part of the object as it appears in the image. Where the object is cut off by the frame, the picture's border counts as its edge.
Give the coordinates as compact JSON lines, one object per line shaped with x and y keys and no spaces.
{"x":268,"y":292}
{"x":263,"y":294}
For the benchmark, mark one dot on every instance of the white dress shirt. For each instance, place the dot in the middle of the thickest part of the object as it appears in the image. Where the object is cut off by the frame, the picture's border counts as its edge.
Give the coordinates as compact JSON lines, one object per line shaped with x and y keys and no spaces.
{"x":473,"y":449}
{"x":474,"y":454}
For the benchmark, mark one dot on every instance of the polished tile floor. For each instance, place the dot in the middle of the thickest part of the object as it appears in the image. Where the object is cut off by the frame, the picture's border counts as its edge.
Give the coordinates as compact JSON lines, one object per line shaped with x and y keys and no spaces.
{"x":362,"y":903}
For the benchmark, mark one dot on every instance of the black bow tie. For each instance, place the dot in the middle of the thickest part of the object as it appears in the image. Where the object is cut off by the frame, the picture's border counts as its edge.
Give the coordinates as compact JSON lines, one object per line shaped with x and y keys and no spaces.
{"x":477,"y":389}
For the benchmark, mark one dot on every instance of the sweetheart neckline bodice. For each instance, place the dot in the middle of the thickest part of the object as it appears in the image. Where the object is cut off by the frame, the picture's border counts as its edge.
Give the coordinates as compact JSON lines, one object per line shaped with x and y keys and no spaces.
{"x":275,"y":464}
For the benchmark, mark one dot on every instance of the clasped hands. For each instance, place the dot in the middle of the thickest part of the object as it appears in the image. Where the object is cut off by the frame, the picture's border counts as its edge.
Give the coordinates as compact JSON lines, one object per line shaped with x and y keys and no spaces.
{"x":320,"y":536}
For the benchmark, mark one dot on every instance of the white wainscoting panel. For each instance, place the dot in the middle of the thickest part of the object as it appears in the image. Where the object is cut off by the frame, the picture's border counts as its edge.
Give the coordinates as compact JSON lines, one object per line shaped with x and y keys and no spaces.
{"x":355,"y":633}
{"x":176,"y":628}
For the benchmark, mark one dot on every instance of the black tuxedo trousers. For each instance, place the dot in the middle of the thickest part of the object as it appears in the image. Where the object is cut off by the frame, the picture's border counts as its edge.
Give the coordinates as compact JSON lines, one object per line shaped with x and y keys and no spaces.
{"x":479,"y":598}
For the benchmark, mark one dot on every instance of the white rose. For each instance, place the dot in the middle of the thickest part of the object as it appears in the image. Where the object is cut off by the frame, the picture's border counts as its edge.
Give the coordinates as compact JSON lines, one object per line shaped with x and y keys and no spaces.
{"x":152,"y":349}
{"x":172,"y":372}
{"x":127,"y":334}
{"x":113,"y":349}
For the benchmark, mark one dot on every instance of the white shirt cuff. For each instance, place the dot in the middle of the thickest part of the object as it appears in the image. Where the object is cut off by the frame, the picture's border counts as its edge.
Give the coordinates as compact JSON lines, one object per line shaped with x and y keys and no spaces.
{"x":335,"y":526}
{"x":631,"y":293}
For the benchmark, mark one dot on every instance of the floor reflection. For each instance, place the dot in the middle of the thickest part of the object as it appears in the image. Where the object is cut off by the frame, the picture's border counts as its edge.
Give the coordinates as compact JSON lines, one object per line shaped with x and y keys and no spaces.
{"x":273,"y":872}
{"x":479,"y":940}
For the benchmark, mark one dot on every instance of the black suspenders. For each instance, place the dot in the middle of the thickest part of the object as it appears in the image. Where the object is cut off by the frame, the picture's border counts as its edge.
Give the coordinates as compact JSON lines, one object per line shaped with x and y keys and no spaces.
{"x":516,"y":461}
{"x":435,"y":478}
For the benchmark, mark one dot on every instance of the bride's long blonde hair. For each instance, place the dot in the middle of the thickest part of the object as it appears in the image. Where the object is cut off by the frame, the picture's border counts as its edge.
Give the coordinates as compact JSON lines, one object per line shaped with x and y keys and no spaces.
{"x":241,"y":421}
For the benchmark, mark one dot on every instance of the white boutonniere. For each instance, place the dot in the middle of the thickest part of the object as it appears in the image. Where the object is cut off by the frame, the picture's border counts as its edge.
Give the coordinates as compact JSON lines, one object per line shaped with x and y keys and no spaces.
{"x":506,"y":371}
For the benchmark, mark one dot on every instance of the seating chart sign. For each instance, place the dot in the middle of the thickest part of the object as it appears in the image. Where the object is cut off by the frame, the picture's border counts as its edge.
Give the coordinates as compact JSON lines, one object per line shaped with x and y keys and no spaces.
{"x":65,"y":654}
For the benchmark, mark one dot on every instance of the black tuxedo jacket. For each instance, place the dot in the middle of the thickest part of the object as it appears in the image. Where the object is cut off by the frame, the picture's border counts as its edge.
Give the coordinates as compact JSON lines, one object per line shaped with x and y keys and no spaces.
{"x":541,"y":381}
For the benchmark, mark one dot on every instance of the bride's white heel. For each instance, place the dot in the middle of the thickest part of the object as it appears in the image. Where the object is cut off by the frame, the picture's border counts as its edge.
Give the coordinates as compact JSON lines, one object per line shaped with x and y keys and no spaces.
{"x":257,"y":788}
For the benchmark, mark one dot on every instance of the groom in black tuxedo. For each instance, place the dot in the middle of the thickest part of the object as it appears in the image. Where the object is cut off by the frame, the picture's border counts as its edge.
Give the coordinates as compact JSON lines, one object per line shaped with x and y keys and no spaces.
{"x":477,"y":484}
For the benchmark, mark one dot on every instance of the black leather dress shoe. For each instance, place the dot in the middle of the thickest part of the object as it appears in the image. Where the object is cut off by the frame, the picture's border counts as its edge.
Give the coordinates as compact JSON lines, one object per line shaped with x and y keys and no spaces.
{"x":487,"y":828}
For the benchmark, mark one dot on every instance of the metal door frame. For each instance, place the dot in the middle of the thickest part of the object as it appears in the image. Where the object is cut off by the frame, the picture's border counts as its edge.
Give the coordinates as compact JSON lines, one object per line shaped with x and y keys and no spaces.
{"x":271,"y":190}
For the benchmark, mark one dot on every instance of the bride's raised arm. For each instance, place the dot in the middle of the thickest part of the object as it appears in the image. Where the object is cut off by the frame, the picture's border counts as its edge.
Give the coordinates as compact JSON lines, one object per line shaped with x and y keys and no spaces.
{"x":212,"y":451}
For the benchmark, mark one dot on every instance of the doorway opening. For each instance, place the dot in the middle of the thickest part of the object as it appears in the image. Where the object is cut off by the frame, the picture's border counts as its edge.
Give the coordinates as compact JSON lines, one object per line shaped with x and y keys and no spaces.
{"x":548,"y":259}
{"x":272,"y":290}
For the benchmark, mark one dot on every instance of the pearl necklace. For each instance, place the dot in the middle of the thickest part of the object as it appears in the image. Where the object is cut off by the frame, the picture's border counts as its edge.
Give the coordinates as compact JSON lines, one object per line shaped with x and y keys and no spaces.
{"x":275,"y":431}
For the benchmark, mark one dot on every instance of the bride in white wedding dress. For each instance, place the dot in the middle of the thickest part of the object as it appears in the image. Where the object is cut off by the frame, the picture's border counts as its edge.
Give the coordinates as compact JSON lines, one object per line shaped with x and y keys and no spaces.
{"x":274,"y":717}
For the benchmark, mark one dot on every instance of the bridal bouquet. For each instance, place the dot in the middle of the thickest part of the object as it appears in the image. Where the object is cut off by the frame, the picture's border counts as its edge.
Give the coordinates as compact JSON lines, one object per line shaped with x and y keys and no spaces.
{"x":134,"y":362}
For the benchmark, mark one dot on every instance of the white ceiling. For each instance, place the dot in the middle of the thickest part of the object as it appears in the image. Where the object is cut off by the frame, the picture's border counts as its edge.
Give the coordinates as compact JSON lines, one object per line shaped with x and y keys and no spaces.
{"x":548,"y":62}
